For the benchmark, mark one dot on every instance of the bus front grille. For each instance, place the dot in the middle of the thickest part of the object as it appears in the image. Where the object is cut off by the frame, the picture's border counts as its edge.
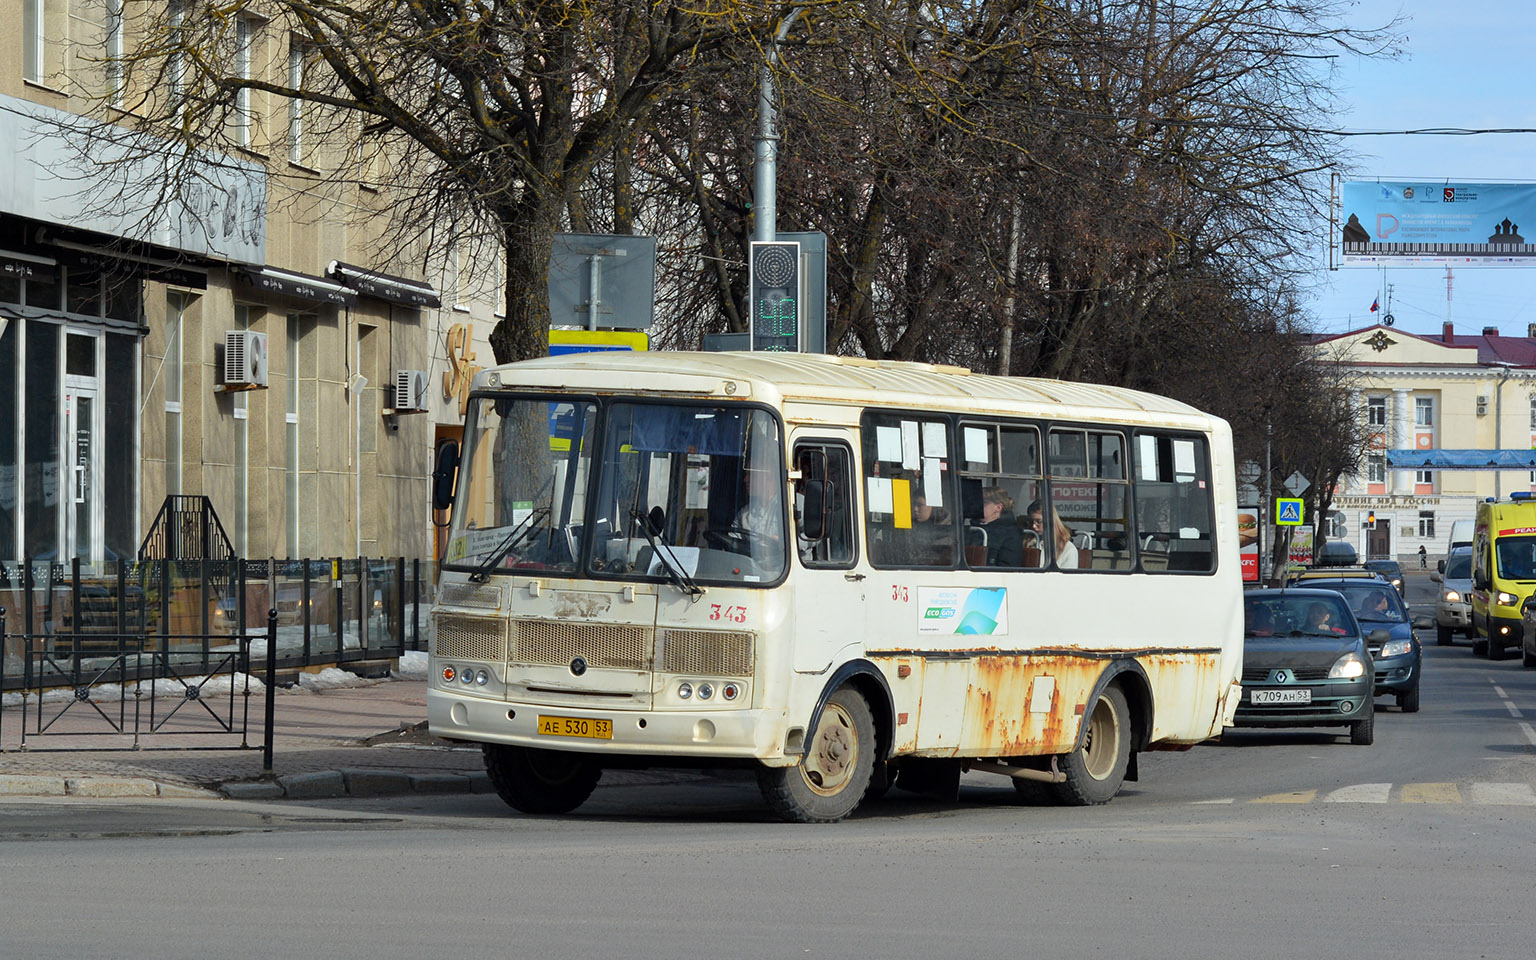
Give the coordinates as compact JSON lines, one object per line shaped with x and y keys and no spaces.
{"x":708,"y":652}
{"x":555,"y":643}
{"x":471,"y":638}
{"x":487,"y":597}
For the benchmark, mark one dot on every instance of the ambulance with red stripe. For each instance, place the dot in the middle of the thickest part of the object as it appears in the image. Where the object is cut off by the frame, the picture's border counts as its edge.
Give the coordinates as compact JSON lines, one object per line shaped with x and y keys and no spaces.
{"x":1503,"y":572}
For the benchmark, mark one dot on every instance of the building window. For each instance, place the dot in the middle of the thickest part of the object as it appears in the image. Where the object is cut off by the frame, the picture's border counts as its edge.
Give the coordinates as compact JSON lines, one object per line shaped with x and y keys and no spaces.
{"x":298,"y":56}
{"x":1533,"y":411}
{"x":1376,"y":411}
{"x":1427,"y":524}
{"x":34,"y":17}
{"x":114,"y":52}
{"x":1423,"y":411}
{"x":1424,"y":477}
{"x":176,"y":67}
{"x":175,"y":309}
{"x":245,"y":34}
{"x":1375,"y":468}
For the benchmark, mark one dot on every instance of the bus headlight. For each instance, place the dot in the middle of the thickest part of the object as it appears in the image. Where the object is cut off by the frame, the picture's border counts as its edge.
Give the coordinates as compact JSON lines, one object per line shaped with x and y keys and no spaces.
{"x":1347,"y":667}
{"x":706,"y":691}
{"x":684,"y":690}
{"x":482,"y":678}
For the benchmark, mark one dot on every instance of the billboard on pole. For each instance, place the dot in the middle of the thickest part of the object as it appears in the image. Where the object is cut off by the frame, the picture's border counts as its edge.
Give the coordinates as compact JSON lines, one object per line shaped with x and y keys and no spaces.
{"x":1401,"y":221}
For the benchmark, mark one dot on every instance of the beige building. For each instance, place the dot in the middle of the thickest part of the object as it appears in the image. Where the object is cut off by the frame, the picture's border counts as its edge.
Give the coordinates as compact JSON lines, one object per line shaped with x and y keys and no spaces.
{"x":1430,"y":396}
{"x":240,"y":339}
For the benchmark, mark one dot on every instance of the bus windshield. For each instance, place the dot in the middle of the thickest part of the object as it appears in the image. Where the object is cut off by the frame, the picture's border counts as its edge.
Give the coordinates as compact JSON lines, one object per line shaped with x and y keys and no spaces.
{"x":684,"y":492}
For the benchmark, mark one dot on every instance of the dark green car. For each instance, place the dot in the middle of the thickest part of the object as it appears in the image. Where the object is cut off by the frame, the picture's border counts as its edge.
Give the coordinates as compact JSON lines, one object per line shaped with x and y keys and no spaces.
{"x":1305,"y":664}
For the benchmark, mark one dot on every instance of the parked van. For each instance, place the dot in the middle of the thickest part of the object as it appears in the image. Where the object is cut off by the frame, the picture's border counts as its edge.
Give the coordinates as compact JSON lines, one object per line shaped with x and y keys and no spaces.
{"x":1503,"y":572}
{"x":1461,"y":535}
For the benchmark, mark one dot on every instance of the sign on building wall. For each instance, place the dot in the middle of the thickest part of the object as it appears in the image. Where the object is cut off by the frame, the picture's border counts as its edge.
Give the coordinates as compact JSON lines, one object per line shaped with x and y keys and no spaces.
{"x":1403,"y":221}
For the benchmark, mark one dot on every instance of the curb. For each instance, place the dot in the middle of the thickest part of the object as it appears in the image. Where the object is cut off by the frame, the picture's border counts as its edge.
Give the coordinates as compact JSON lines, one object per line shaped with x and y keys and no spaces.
{"x":346,"y":782}
{"x":12,"y":785}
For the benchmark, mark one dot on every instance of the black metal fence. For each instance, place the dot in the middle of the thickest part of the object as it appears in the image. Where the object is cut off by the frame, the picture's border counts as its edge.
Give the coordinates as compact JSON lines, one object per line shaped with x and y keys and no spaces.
{"x":329,"y":611}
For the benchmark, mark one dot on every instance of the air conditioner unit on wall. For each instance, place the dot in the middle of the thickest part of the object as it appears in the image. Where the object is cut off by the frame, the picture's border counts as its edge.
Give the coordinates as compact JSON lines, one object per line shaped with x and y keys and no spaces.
{"x":410,"y":391}
{"x":1482,"y":406}
{"x":245,"y":360}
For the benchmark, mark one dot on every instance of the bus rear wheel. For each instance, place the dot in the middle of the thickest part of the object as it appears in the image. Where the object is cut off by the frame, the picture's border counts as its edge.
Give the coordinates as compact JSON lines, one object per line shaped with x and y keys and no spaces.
{"x":540,"y":781}
{"x":1096,"y":769}
{"x":834,"y":774}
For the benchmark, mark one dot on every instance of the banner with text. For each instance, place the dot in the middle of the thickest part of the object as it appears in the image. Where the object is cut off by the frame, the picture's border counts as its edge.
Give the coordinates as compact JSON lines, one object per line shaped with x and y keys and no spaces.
{"x":1401,"y":221}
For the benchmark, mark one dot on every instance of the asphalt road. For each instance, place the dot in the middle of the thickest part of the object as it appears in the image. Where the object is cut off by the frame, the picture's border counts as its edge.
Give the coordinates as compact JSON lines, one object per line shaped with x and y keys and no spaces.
{"x":1268,"y":844}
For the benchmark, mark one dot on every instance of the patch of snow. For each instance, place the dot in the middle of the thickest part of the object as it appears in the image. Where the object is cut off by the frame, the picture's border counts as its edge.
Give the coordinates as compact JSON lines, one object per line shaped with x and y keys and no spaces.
{"x":413,"y":665}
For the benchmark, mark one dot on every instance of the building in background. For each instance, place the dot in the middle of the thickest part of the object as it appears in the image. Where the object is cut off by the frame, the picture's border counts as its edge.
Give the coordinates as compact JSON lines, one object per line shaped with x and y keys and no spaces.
{"x":245,"y":343}
{"x":1453,"y":392}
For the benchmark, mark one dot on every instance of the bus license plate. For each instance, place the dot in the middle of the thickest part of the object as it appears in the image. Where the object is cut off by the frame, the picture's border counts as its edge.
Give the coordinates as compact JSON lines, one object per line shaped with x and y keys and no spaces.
{"x":1282,"y":696}
{"x":575,"y":727}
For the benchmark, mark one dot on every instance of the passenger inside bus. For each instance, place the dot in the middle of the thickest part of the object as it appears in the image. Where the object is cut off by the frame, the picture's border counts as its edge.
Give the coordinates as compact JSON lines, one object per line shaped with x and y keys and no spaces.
{"x":1061,"y":535}
{"x":1005,"y":544}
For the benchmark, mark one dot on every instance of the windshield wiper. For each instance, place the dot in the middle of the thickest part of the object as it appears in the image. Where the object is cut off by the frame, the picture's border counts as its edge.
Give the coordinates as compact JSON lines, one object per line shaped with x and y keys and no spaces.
{"x":512,"y":540}
{"x":669,"y":561}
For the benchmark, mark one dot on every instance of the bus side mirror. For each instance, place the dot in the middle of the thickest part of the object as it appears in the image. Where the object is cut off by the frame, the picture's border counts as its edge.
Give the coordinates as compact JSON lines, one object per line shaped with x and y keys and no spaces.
{"x":444,"y":476}
{"x":1440,"y":565}
{"x":813,"y":495}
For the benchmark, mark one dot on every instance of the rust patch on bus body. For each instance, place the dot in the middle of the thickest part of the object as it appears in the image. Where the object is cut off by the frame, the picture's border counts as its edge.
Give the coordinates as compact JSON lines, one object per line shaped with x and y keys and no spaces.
{"x":569,"y":605}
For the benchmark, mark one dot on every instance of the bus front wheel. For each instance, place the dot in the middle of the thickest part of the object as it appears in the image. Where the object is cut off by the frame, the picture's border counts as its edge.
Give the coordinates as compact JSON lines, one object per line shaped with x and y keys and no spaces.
{"x":1096,"y":769}
{"x":540,"y":781}
{"x":834,"y":774}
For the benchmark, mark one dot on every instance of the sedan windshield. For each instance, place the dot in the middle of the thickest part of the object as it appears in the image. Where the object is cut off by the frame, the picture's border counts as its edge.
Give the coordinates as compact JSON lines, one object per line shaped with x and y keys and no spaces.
{"x":1371,"y":602}
{"x":1296,"y":615}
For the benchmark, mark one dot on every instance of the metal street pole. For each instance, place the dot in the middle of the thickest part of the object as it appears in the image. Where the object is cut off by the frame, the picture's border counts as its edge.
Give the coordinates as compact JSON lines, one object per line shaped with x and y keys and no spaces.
{"x":765,"y":199}
{"x":1498,"y":422}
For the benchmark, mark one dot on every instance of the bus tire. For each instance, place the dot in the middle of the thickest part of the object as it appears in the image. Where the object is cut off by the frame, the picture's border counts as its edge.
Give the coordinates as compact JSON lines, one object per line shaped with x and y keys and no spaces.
{"x":540,"y":781}
{"x":834,"y":774}
{"x":1095,"y":770}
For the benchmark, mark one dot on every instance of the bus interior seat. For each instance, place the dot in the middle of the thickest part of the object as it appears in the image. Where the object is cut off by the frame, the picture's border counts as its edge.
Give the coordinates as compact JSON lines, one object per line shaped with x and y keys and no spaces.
{"x":975,"y":546}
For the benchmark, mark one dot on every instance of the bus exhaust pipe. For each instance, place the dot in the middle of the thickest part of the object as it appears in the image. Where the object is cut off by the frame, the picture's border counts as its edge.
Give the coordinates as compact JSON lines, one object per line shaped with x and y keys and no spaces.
{"x":1022,"y":773}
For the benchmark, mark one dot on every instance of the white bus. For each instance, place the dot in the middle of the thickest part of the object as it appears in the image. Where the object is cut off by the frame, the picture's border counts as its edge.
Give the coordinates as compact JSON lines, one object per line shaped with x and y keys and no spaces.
{"x":844,"y":574}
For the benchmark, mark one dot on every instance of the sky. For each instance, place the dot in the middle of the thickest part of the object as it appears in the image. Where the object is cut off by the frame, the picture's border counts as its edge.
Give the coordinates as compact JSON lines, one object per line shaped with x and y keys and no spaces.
{"x":1466,"y":64}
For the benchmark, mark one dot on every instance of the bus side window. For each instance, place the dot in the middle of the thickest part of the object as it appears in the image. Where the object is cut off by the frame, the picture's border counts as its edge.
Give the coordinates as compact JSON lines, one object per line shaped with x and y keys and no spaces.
{"x":829,"y":467}
{"x":1173,"y":504}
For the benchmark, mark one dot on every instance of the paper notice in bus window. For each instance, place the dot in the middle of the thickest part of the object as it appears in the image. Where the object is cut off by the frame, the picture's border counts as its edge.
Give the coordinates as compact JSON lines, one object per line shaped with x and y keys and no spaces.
{"x":1184,"y":459}
{"x":976,"y":445}
{"x":909,"y":448}
{"x":888,"y":444}
{"x":933,"y":482}
{"x":933,"y":440}
{"x":901,"y":501}
{"x":878,"y":499}
{"x":1146,"y":457}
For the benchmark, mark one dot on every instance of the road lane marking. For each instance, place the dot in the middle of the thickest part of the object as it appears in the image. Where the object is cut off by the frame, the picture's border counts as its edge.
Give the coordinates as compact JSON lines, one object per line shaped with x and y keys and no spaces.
{"x":1530,"y":733}
{"x":1431,"y":793}
{"x":1500,"y":691}
{"x":1295,"y":796}
{"x":1508,"y":794}
{"x":1223,"y":800}
{"x":1360,"y":793}
{"x":1514,"y":711}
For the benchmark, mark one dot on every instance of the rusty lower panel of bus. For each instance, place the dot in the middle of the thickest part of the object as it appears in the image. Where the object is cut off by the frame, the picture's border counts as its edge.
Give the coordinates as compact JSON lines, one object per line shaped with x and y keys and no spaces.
{"x":1025,"y":704}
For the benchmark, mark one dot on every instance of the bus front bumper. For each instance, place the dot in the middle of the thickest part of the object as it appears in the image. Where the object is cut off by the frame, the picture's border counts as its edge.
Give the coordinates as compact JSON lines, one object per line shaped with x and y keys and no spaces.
{"x":739,"y":733}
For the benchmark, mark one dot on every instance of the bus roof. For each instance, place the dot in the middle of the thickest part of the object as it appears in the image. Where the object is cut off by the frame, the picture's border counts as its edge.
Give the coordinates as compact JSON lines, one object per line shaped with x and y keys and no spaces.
{"x":814,"y":377}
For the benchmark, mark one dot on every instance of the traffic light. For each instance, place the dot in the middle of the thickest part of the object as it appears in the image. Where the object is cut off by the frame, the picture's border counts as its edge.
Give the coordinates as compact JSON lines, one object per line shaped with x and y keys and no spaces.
{"x":773,"y":300}
{"x":1370,"y":520}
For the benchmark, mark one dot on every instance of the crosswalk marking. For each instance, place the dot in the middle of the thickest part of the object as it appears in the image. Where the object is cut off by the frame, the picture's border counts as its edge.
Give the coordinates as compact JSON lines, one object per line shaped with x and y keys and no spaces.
{"x":1530,"y":733}
{"x":1431,"y":793}
{"x":1487,"y":794}
{"x":1519,"y":794}
{"x":1360,"y":793}
{"x":1295,"y":796}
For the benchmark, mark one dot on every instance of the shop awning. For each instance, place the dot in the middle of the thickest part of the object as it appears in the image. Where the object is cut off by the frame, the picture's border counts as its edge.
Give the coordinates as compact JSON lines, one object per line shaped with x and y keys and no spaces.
{"x":301,"y":286}
{"x":382,"y":286}
{"x":1461,"y":459}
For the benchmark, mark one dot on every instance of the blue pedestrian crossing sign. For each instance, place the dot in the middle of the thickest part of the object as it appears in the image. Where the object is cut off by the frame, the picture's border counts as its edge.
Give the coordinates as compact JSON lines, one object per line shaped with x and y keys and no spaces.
{"x":1288,"y":511}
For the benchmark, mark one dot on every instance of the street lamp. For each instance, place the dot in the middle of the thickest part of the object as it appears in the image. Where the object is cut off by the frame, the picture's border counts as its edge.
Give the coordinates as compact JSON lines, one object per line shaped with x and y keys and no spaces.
{"x":765,"y":170}
{"x":1498,"y":418}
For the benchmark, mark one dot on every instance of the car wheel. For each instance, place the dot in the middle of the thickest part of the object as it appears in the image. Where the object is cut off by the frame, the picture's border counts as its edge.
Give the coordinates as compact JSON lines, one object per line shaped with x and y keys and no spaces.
{"x":1443,"y":636}
{"x":1096,"y":770}
{"x":834,"y":774}
{"x":1362,"y":733}
{"x":1495,"y":648}
{"x":540,"y":781}
{"x":1408,"y":700}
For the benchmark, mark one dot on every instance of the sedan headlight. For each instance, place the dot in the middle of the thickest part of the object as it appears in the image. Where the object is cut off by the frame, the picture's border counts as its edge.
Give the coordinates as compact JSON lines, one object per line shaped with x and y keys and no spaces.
{"x":1451,"y":596}
{"x":1506,"y":599}
{"x":1396,"y":648}
{"x":1347,"y":667}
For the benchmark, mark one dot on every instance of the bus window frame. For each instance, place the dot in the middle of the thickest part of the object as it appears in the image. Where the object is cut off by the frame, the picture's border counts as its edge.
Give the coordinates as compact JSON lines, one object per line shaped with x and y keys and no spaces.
{"x":1204,"y":445}
{"x":948,"y":478}
{"x":852,"y":499}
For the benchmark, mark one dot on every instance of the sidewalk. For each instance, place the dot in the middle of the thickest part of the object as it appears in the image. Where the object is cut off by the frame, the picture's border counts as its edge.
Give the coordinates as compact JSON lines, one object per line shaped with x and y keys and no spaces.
{"x":363,"y":740}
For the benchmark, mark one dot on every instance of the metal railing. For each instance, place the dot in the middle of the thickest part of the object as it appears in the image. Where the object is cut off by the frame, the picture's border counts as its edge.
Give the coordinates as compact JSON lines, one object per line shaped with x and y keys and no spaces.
{"x":328,"y":612}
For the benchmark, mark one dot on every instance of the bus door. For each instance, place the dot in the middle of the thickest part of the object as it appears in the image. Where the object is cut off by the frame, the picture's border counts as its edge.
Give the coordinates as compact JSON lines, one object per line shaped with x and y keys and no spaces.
{"x":828,"y":595}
